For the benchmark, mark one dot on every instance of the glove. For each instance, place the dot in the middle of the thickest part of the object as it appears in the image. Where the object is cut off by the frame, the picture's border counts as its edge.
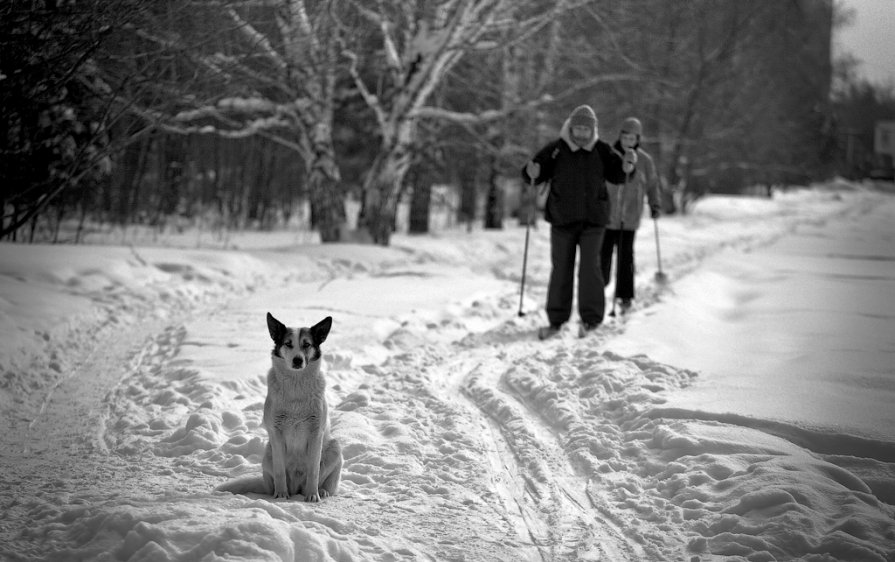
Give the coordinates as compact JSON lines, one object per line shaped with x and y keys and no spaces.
{"x":654,"y":213}
{"x":629,"y":161}
{"x":533,"y":169}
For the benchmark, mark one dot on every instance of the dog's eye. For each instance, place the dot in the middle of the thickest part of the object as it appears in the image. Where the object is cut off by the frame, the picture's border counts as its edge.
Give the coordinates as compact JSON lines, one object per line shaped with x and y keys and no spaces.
{"x":305,"y":344}
{"x":288,"y":344}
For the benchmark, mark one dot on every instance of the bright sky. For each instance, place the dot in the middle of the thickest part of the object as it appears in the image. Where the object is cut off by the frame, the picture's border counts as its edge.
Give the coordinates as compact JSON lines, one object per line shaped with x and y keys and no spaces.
{"x":871,"y":38}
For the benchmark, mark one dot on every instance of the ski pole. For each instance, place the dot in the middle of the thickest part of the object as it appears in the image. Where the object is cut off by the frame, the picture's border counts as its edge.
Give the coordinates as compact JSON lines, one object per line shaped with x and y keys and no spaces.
{"x":525,"y":252}
{"x":660,"y":275}
{"x":618,"y":245}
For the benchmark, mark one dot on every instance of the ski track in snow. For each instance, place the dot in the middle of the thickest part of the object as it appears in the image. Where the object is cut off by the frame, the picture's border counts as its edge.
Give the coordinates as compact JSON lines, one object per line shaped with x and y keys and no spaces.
{"x":490,"y":446}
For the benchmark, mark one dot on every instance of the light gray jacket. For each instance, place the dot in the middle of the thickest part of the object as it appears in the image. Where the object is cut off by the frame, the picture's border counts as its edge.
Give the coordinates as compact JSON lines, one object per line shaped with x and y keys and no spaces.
{"x":626,"y":199}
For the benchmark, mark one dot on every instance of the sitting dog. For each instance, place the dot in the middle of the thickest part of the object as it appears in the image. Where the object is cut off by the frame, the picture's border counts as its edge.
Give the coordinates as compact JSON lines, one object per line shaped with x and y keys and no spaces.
{"x":301,"y":457}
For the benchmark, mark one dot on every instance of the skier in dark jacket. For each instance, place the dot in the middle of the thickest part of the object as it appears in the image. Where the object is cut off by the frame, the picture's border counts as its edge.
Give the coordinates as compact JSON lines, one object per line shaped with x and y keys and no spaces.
{"x":627,"y":208}
{"x":577,"y":165}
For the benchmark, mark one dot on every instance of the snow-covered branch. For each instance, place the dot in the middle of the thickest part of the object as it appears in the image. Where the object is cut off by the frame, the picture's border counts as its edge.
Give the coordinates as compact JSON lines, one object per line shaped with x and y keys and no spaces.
{"x":488,"y":116}
{"x":370,"y":98}
{"x":299,"y":15}
{"x":230,"y":4}
{"x":232,"y":105}
{"x":263,"y":127}
{"x":255,"y":77}
{"x":258,"y":39}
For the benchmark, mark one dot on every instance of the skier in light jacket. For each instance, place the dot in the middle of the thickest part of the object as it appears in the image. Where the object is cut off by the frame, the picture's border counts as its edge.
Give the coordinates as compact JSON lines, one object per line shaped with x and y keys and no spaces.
{"x":626,"y":204}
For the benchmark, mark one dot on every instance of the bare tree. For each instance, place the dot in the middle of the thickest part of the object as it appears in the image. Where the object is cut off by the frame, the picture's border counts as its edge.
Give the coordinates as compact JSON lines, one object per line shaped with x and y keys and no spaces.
{"x":732,"y":92}
{"x":415,"y":45}
{"x":263,"y":68}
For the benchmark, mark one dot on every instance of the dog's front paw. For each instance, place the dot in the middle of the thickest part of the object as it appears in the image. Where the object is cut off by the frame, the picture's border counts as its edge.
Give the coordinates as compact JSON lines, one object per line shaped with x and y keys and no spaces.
{"x":280,"y":494}
{"x":312,"y":498}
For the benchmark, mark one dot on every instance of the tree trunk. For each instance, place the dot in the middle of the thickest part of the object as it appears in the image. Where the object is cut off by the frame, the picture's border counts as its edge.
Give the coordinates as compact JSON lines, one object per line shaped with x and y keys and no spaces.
{"x":528,"y":205}
{"x":383,"y":185}
{"x":60,"y":215}
{"x":420,"y":204}
{"x":468,"y":199}
{"x":379,"y":208}
{"x":133,"y":190}
{"x":239,"y":197}
{"x":325,"y":189}
{"x":327,"y":206}
{"x":172,"y":177}
{"x":494,"y":202}
{"x":12,"y":229}
{"x":130,"y":167}
{"x":81,"y":221}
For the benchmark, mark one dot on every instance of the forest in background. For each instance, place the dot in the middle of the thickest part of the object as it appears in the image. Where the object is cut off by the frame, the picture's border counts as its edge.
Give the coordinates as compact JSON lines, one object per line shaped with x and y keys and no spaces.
{"x":242,"y":113}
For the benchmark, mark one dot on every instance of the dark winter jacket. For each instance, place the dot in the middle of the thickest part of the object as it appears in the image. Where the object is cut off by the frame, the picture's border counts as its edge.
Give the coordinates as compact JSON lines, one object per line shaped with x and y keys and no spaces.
{"x":577,"y":177}
{"x":626,"y":197}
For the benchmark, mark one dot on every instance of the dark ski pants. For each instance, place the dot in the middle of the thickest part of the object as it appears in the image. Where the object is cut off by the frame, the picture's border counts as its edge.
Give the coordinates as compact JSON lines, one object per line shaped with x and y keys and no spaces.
{"x":623,"y":240}
{"x":564,"y":242}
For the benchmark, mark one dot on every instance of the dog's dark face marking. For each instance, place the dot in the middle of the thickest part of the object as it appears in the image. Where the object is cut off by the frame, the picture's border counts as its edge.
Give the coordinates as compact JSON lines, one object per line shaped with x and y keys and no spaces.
{"x":298,"y":346}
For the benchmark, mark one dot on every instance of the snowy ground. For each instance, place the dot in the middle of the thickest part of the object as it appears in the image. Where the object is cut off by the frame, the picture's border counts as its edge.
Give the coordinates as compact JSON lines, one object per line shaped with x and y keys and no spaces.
{"x":700,"y":428}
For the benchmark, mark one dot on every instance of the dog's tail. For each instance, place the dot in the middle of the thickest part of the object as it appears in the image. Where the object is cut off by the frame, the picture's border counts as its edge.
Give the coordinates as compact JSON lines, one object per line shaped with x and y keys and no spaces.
{"x":244,"y":485}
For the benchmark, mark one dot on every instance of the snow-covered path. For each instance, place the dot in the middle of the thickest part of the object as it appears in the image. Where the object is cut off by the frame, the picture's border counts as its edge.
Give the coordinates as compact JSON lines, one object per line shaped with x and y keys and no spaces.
{"x":464,"y":437}
{"x":809,"y":315}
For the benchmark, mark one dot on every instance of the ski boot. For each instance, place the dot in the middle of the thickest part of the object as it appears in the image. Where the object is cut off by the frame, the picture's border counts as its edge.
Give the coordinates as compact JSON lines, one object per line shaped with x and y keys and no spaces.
{"x":586,"y":328}
{"x":545,"y":332}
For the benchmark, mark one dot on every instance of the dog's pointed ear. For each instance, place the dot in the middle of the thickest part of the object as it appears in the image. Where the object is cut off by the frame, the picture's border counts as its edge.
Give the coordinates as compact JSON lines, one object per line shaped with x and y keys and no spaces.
{"x":320,"y":330}
{"x":276,"y":328}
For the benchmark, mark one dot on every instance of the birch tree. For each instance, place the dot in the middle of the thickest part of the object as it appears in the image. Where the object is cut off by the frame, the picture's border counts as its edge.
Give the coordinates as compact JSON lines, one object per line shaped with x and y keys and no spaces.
{"x":269,"y":68}
{"x":417,"y":44}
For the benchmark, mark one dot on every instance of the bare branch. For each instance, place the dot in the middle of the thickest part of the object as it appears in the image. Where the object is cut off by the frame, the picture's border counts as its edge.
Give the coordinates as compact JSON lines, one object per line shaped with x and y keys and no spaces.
{"x":371,"y":100}
{"x":299,"y":14}
{"x":263,"y":127}
{"x":210,"y":63}
{"x":483,"y":117}
{"x":258,"y":39}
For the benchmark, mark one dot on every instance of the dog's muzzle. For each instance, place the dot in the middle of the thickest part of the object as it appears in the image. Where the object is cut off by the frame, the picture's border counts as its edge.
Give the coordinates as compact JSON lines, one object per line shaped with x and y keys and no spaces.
{"x":298,"y":362}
